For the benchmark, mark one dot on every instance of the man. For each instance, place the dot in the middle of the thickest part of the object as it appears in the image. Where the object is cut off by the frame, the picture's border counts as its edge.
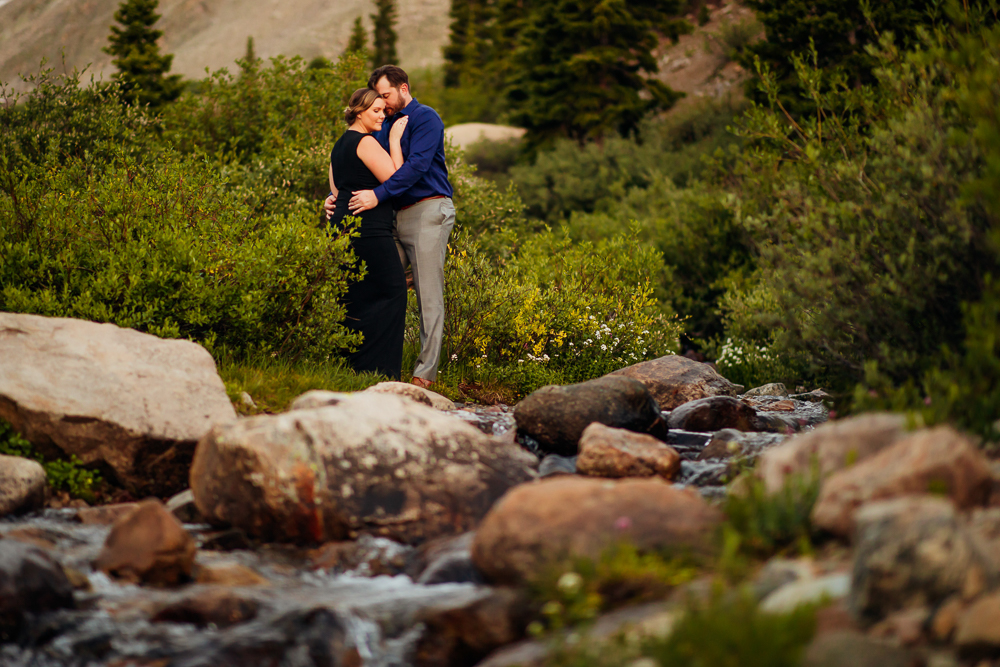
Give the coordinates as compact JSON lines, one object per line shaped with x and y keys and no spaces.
{"x":421,"y":194}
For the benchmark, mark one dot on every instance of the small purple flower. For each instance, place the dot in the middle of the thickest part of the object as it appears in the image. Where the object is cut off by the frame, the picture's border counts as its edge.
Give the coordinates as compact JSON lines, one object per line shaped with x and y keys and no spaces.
{"x":623,"y":523}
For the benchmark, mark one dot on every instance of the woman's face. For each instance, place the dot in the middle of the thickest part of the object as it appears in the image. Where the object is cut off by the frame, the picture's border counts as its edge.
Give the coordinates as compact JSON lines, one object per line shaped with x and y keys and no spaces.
{"x":373,"y":116}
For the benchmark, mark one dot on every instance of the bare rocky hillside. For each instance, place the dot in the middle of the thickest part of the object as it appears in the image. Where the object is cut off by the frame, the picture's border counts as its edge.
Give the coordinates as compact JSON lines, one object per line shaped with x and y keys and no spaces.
{"x":208,"y":33}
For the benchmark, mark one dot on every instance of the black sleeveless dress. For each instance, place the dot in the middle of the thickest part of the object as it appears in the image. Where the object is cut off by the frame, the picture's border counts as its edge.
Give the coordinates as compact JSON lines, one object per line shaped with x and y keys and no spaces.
{"x":376,"y":305}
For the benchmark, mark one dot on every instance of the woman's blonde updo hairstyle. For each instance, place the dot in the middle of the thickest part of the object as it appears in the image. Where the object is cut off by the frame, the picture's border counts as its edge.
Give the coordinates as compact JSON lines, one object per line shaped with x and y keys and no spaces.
{"x":361,"y":100}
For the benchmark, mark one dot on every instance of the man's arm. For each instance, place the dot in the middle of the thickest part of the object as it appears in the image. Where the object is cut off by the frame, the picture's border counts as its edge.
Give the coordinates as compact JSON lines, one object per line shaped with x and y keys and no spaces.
{"x":425,"y":138}
{"x":331,"y":202}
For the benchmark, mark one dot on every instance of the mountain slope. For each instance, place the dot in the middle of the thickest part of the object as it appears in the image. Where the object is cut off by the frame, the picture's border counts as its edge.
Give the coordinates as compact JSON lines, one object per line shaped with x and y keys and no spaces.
{"x":208,"y":33}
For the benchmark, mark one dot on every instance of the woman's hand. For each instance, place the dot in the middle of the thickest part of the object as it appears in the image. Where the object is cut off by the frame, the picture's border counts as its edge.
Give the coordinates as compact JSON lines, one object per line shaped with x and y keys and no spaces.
{"x":396,"y":132}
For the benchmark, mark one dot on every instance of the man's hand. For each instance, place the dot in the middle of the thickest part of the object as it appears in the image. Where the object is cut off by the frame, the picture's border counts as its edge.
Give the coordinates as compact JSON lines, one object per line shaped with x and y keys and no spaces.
{"x":363,"y":200}
{"x":330,"y":205}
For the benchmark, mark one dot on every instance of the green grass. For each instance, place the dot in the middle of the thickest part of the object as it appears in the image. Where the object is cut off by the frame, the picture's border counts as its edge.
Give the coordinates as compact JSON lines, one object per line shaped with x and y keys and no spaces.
{"x":273,"y":383}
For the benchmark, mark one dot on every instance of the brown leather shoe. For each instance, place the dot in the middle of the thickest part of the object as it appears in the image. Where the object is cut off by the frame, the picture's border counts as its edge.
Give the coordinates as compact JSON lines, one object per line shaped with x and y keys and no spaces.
{"x":421,"y":382}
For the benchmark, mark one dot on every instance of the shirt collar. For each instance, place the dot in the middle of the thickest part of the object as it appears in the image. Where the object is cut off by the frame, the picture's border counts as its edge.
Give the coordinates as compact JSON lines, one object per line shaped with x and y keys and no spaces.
{"x":409,"y":108}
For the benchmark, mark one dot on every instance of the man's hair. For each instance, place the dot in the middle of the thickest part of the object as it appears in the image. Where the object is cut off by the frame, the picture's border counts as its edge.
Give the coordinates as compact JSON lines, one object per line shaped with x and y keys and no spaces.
{"x":394,"y":75}
{"x":361,"y":100}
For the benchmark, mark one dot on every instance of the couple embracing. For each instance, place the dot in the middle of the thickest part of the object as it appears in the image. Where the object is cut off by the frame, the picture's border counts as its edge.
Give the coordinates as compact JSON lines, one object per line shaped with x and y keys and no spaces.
{"x":391,"y":159}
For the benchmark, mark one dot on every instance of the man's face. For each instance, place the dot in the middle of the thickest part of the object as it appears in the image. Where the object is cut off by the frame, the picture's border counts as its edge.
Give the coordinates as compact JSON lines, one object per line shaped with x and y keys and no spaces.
{"x":393,"y":96}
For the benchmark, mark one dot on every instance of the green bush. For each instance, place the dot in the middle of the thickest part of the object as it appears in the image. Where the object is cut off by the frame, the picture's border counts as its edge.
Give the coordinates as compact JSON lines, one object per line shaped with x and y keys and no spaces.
{"x":63,"y":474}
{"x":760,"y":524}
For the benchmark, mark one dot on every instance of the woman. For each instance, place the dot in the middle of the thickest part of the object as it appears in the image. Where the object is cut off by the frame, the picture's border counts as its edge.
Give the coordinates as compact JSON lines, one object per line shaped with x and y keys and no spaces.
{"x":376,"y":305}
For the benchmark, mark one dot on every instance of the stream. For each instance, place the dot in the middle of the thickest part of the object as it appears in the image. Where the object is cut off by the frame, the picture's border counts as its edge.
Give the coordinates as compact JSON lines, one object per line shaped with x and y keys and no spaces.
{"x":302,"y":615}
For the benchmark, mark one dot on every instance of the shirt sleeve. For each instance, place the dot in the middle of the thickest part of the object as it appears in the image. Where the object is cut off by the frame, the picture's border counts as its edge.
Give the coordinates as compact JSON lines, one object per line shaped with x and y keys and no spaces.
{"x":425,"y":138}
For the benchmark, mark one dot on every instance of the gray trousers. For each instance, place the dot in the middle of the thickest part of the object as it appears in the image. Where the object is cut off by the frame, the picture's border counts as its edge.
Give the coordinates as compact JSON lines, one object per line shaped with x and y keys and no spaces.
{"x":421,"y":233}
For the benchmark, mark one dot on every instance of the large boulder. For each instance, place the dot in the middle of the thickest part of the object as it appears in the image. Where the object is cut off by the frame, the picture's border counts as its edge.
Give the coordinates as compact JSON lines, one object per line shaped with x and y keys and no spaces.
{"x":133,"y":404}
{"x":556,"y":416}
{"x":913,"y":551}
{"x":537,"y":525}
{"x":412,"y":391}
{"x":371,"y":464}
{"x":22,"y":485}
{"x":939,"y":460}
{"x":831,"y":446}
{"x":30,"y":581}
{"x":674,"y":380}
{"x":714,"y":414}
{"x":148,"y":545}
{"x":615,"y":452}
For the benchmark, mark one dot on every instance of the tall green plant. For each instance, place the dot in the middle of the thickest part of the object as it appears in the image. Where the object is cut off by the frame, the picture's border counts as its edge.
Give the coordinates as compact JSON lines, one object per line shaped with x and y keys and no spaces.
{"x":384,"y":33}
{"x":142,"y":69}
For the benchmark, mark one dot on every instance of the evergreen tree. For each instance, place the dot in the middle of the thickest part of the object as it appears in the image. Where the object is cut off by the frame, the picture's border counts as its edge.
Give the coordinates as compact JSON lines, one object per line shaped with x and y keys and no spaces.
{"x":384,"y":34}
{"x":249,"y":62}
{"x":582,"y":68}
{"x":358,"y":41}
{"x":840,"y":32}
{"x":141,"y":68}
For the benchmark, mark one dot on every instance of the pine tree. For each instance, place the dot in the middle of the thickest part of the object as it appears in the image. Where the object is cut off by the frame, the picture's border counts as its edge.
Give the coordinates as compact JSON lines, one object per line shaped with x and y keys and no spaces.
{"x":141,"y":68}
{"x":838,"y":30}
{"x":358,"y":41}
{"x":384,"y":34}
{"x":583,"y":68}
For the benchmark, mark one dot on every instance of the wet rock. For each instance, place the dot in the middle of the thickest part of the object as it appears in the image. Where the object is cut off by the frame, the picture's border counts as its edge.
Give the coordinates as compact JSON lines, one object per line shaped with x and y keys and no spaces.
{"x":538,"y":524}
{"x":310,"y":636}
{"x":938,"y":460}
{"x":214,"y":606}
{"x":713,"y":414}
{"x":978,"y":632}
{"x":148,"y":545}
{"x":133,"y":403}
{"x":807,"y":591}
{"x":553,"y":465}
{"x":445,"y":560}
{"x":905,"y":626}
{"x":30,"y":581}
{"x":837,"y":649}
{"x":230,"y":574}
{"x":831,"y":446}
{"x":911,"y":552}
{"x":772,"y":389}
{"x":373,"y":464}
{"x":413,"y":392}
{"x":22,"y":485}
{"x":615,"y":452}
{"x":945,"y":618}
{"x":225,"y":540}
{"x":465,"y":634}
{"x":814,"y":396}
{"x":183,"y":507}
{"x":104,"y":515}
{"x":556,"y":416}
{"x":368,"y":556}
{"x":675,"y":380}
{"x":984,"y":525}
{"x":318,"y":398}
{"x":779,"y":572}
{"x":730,"y":443}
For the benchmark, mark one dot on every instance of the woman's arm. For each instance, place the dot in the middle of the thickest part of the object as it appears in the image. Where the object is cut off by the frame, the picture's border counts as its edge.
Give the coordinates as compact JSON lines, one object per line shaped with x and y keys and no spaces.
{"x":376,"y":159}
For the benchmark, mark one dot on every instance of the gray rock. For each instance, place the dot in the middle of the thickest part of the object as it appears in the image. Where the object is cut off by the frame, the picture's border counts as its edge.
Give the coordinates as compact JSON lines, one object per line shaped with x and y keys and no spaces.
{"x":842,"y":647}
{"x":772,"y":389}
{"x":372,"y":464}
{"x":553,"y":464}
{"x":132,"y":402}
{"x":412,"y":391}
{"x":912,"y":551}
{"x":556,"y":416}
{"x":674,"y":380}
{"x":729,"y":443}
{"x":713,"y":414}
{"x":807,"y":591}
{"x":30,"y":581}
{"x":22,"y":485}
{"x":318,"y":398}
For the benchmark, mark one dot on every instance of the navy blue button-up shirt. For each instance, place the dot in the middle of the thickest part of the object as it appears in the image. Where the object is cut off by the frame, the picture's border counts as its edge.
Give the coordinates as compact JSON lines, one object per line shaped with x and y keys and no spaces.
{"x":424,"y":173}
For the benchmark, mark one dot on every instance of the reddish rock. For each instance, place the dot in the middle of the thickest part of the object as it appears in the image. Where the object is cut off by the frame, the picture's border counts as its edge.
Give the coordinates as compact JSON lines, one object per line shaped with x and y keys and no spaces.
{"x":372,"y":464}
{"x":832,"y":446}
{"x":938,"y":460}
{"x":615,"y":452}
{"x":538,"y":524}
{"x":675,"y":380}
{"x":148,"y":545}
{"x":232,"y":574}
{"x":103,"y":515}
{"x":978,"y":631}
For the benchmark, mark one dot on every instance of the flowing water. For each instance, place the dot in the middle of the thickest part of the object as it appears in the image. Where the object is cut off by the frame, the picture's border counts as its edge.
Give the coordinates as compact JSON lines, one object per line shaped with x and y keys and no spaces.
{"x":303,"y":616}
